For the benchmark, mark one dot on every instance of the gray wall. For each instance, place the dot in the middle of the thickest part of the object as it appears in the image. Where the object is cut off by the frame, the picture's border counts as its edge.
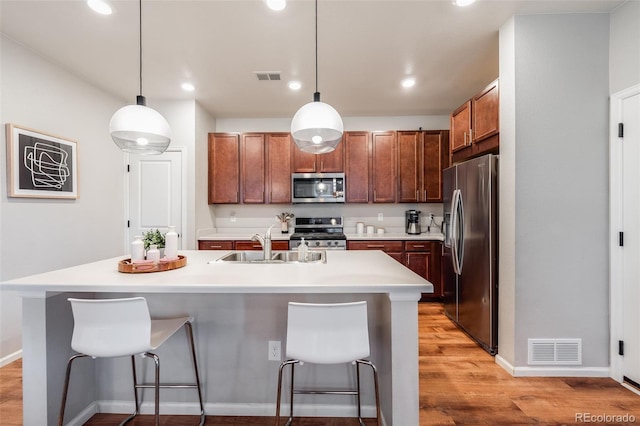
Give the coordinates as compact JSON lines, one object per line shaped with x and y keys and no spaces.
{"x":624,"y":54}
{"x":556,"y":146}
{"x":39,"y":235}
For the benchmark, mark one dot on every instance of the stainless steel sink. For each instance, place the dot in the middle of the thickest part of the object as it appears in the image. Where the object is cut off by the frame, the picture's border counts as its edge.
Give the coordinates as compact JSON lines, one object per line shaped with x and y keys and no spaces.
{"x":292,"y":256}
{"x":252,"y":256}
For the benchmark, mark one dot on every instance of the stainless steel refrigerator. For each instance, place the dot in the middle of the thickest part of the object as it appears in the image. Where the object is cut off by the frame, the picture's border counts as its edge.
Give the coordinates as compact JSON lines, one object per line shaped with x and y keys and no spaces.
{"x":470,"y":256}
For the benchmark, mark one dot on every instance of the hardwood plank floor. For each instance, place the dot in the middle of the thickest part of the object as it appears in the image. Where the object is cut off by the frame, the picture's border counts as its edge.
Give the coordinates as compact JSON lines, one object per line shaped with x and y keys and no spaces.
{"x":460,"y":384}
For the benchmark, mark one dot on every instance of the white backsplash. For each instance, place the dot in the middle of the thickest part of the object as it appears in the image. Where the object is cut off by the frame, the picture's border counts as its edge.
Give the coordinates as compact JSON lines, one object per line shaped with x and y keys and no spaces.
{"x":245,"y":218}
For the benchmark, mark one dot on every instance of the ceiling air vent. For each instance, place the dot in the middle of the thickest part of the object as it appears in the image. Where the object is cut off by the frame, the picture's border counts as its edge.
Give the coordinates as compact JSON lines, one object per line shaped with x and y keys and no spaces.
{"x":268,"y":75}
{"x":555,"y":351}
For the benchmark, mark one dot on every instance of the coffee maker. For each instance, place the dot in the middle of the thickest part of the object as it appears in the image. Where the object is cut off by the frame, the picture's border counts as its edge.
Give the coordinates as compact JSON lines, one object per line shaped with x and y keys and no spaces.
{"x":413,"y":221}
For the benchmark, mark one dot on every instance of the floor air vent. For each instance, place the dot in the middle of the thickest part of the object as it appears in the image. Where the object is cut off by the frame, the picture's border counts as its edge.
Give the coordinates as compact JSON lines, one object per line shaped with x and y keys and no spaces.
{"x":555,"y":351}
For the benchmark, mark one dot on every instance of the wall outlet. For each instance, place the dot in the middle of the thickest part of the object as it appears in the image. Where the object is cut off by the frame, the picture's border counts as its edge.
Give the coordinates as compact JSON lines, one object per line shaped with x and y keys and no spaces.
{"x":380,"y":217}
{"x":274,"y":350}
{"x":232,"y":218}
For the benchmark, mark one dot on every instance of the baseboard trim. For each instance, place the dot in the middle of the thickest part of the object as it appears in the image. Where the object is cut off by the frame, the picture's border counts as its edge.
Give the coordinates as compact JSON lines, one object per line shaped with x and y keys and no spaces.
{"x":552,"y":371}
{"x":6,"y":360}
{"x":83,"y":416}
{"x":243,"y":409}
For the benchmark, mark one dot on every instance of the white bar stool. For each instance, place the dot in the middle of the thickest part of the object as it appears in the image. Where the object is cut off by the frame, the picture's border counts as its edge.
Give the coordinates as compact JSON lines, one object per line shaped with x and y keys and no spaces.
{"x":106,"y":328}
{"x":327,"y":334}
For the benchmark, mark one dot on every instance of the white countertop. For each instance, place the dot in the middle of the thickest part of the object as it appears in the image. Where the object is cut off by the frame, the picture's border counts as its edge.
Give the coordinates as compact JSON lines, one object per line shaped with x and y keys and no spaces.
{"x":350,"y":271}
{"x":427,"y":236}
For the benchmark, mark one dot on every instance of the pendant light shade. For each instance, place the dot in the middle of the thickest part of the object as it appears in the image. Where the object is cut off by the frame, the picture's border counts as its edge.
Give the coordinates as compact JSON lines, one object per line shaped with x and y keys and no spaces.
{"x":140,"y":130}
{"x":137,"y":128}
{"x":317,"y":127}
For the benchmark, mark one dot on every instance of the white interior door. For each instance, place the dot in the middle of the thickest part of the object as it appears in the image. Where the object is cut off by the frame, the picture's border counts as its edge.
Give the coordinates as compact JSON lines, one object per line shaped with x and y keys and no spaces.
{"x":155,"y":193}
{"x":631,"y":228}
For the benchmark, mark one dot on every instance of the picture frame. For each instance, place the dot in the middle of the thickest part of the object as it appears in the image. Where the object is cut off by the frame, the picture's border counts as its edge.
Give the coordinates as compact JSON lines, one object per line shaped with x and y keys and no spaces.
{"x":40,"y":165}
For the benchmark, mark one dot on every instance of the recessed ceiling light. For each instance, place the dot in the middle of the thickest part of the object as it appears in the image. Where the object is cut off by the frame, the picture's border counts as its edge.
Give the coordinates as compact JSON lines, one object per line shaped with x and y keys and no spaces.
{"x":276,"y":4}
{"x":408,"y":82}
{"x":188,"y":87}
{"x":295,"y":85}
{"x":100,"y":6}
{"x":463,"y":3}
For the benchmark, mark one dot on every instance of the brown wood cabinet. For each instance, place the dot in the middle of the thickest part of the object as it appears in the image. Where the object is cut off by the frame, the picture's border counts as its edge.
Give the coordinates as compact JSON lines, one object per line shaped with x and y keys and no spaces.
{"x":331,"y":162}
{"x":240,"y":245}
{"x":486,"y":118}
{"x":279,"y":153}
{"x":423,"y":258}
{"x":356,"y":148}
{"x":252,"y":170}
{"x":461,"y":127}
{"x":255,"y":245}
{"x":224,"y":168}
{"x":380,"y":167}
{"x":475,"y":125}
{"x":392,"y":248}
{"x":422,"y":155}
{"x":215,"y":245}
{"x":383,"y":167}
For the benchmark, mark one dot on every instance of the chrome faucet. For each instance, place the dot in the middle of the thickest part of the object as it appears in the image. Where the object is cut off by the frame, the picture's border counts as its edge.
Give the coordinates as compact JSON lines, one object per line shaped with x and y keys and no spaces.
{"x":265,"y":242}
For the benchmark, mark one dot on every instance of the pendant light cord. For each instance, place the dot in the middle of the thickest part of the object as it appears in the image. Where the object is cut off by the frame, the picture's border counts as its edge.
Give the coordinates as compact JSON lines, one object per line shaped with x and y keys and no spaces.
{"x":316,"y":46}
{"x":140,"y":42}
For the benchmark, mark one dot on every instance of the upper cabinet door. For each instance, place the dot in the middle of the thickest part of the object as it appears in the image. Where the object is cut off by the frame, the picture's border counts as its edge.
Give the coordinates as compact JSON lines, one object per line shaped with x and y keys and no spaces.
{"x":279,"y":152}
{"x":486,"y":110}
{"x":224,"y":168}
{"x":303,"y":162}
{"x":253,"y":169}
{"x":383,"y":167}
{"x":332,"y":162}
{"x":435,"y":158}
{"x":461,"y":127}
{"x":356,"y":150}
{"x":409,"y":163}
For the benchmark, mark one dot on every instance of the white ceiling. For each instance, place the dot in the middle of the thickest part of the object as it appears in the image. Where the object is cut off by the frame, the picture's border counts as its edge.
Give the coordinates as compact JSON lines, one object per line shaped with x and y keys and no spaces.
{"x":365,"y":48}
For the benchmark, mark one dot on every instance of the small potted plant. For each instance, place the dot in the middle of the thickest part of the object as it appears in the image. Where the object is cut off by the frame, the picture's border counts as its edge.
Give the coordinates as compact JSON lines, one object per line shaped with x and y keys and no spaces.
{"x":154,"y":237}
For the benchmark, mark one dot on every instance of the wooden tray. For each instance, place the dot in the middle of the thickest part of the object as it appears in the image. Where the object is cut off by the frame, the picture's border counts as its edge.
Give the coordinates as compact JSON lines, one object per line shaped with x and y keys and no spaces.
{"x":135,"y":268}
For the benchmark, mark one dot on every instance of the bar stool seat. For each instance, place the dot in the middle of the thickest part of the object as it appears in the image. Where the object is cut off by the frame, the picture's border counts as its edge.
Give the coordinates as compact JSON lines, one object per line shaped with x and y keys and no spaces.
{"x":107,"y":328}
{"x":327,"y":334}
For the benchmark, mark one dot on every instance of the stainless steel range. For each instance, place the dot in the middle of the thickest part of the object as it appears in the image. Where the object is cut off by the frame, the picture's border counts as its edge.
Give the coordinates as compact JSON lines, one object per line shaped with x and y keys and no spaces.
{"x":325,"y":233}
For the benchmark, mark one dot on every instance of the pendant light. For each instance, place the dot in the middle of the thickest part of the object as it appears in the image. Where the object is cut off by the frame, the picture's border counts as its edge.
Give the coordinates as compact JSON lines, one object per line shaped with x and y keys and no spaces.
{"x":139,"y":129}
{"x":317,"y":127}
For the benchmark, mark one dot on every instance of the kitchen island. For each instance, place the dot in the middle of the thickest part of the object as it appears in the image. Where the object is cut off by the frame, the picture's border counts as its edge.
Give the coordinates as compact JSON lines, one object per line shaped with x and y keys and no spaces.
{"x":238,"y":308}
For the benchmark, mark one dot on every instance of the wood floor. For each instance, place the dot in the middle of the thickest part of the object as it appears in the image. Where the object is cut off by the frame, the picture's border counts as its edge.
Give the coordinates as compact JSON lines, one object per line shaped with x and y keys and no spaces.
{"x":460,"y":384}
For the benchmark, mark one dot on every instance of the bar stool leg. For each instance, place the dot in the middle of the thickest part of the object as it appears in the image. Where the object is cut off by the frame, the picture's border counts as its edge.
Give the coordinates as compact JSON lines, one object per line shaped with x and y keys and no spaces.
{"x":66,"y":387}
{"x":279,"y":394}
{"x":358,"y":399}
{"x":157,"y":388}
{"x":376,"y":388}
{"x":189,"y":329}
{"x":135,"y":392}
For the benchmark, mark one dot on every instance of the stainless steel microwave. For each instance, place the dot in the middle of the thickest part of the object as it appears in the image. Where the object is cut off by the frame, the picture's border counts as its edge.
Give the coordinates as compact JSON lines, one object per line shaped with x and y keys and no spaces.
{"x":317,"y":187}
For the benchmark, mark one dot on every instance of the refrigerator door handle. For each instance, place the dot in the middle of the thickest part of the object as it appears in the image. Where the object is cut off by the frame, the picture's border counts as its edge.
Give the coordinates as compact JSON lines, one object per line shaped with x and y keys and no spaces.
{"x":460,"y":232}
{"x":455,"y":231}
{"x":452,"y":232}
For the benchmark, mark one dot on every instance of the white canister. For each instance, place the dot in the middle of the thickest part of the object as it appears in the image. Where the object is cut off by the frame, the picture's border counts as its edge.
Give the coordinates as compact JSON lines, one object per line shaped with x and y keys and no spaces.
{"x":171,"y":243}
{"x":359,"y":228}
{"x":153,"y":253}
{"x":380,"y":231}
{"x":370,"y":229}
{"x":137,"y":249}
